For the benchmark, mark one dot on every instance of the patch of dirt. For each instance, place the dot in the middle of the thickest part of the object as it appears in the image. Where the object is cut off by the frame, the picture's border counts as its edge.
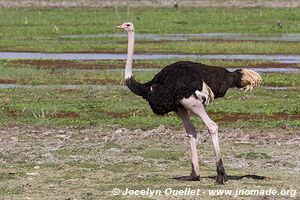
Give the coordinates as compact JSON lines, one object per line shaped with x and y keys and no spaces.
{"x":274,"y":65}
{"x":98,"y":81}
{"x":66,"y":90}
{"x":53,"y":139}
{"x":61,"y":64}
{"x":118,"y":114}
{"x":249,"y":117}
{"x":73,"y":160}
{"x":12,"y":113}
{"x":63,"y":114}
{"x":7,"y":81}
{"x":148,"y":3}
{"x":124,"y":114}
{"x":223,"y":117}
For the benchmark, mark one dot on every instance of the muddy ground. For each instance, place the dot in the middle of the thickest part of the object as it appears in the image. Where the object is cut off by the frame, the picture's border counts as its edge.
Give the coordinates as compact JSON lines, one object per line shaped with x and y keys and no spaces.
{"x":149,"y":3}
{"x":87,"y":163}
{"x":60,"y":64}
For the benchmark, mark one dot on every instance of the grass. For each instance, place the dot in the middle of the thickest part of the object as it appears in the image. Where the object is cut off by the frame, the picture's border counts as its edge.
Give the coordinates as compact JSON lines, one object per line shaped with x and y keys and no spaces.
{"x":110,"y":145}
{"x":41,"y":29}
{"x":109,"y":107}
{"x":253,"y":155}
{"x":163,"y":154}
{"x":282,"y":79}
{"x":72,"y":137}
{"x":67,"y":171}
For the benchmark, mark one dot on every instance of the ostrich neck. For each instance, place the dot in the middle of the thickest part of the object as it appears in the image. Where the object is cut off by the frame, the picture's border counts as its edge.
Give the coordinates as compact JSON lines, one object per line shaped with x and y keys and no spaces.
{"x":128,"y":67}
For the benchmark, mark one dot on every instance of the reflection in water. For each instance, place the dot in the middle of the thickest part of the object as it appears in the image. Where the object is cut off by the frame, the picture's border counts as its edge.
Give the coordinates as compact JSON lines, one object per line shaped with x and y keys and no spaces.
{"x":63,"y":87}
{"x":202,"y":36}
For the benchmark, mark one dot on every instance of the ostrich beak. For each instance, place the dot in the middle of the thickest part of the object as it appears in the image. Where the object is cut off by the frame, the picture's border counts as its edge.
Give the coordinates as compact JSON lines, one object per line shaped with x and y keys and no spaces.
{"x":120,"y":27}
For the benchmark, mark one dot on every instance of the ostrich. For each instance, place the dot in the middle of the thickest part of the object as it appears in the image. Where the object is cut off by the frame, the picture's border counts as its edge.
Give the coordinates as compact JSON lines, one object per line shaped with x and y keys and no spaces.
{"x":184,"y":87}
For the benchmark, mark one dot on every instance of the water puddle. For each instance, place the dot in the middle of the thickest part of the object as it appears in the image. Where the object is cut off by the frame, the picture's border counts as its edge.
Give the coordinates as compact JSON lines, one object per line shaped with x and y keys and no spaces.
{"x":278,"y":88}
{"x":107,"y":56}
{"x":203,"y":36}
{"x":63,"y":87}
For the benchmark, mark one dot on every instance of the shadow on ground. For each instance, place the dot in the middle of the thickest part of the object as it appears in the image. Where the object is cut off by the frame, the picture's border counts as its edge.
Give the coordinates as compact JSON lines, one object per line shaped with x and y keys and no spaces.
{"x":248,"y":176}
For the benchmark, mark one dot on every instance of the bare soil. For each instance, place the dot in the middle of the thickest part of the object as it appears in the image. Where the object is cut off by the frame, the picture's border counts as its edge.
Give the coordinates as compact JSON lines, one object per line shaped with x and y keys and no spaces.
{"x":148,"y":3}
{"x":248,"y":117}
{"x":7,"y":81}
{"x":61,"y":64}
{"x":274,"y":65}
{"x":87,"y":163}
{"x":224,"y":117}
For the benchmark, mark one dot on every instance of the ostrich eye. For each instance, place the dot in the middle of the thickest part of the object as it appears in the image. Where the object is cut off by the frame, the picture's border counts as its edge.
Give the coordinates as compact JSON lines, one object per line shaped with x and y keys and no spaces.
{"x":128,"y":25}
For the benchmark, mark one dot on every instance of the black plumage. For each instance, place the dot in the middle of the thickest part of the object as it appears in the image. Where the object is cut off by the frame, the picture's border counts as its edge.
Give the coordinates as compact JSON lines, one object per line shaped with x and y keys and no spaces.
{"x":181,"y":80}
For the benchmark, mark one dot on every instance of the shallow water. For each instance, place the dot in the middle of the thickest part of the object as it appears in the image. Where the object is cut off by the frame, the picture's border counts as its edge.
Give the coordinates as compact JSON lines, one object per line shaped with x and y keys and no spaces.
{"x":278,"y":88}
{"x":203,"y":36}
{"x":106,"y":56}
{"x":64,"y":87}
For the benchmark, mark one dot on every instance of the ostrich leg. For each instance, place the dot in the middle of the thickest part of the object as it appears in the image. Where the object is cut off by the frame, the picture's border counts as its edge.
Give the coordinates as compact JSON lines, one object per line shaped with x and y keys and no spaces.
{"x":197,"y":107}
{"x":192,"y":134}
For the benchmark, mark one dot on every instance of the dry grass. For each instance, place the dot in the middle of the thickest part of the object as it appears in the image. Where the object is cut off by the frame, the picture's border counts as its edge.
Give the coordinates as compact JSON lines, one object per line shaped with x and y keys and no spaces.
{"x":87,"y":163}
{"x":149,"y":3}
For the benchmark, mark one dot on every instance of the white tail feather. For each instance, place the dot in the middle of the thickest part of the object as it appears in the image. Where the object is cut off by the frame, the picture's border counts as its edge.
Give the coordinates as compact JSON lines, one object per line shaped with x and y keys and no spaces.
{"x":250,"y":79}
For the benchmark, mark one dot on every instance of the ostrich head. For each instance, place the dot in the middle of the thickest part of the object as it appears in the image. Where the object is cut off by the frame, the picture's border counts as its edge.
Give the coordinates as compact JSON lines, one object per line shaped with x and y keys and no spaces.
{"x":127,"y":26}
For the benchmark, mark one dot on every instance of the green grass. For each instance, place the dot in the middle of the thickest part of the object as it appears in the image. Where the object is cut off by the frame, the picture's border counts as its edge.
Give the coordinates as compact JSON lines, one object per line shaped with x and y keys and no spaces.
{"x":41,"y":29}
{"x":82,"y":162}
{"x":87,"y":107}
{"x":220,"y":47}
{"x":35,"y":76}
{"x":253,"y":155}
{"x":163,"y":154}
{"x":56,"y":106}
{"x":282,"y":79}
{"x":111,"y":145}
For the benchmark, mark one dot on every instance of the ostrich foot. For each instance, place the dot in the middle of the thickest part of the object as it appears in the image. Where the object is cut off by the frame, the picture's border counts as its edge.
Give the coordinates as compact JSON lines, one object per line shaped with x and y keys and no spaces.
{"x":221,"y":178}
{"x":221,"y":175}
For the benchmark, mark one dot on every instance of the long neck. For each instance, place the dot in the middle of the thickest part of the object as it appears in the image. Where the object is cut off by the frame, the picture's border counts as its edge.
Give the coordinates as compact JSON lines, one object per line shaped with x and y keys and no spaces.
{"x":136,"y":87}
{"x":128,"y":67}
